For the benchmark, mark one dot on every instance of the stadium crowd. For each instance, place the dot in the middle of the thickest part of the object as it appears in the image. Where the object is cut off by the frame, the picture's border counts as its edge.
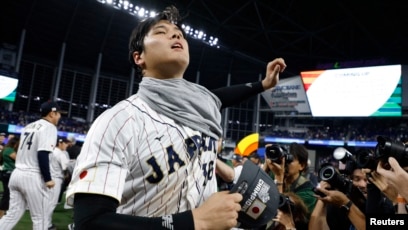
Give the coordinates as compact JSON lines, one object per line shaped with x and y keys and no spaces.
{"x":21,"y":118}
{"x":346,"y":129}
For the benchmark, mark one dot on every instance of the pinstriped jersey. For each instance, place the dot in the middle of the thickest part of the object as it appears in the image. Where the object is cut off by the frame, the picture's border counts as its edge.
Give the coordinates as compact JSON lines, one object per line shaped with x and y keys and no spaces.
{"x":151,"y":164}
{"x":59,"y":161}
{"x":40,"y":135}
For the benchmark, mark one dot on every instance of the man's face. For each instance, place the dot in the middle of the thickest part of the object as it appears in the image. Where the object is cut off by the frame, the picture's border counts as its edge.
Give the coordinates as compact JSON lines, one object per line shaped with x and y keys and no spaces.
{"x":55,"y":117}
{"x":293,"y":168}
{"x":165,"y":51}
{"x":360,"y":181}
{"x":64,"y":145}
{"x":2,"y":139}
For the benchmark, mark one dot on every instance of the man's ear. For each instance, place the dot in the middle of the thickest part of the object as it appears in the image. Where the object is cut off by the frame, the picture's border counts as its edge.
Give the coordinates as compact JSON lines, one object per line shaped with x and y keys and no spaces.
{"x":137,"y":58}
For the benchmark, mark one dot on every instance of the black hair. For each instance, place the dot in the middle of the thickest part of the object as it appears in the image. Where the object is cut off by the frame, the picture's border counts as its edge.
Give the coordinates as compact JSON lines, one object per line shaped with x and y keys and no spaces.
{"x":300,"y":153}
{"x":170,"y":14}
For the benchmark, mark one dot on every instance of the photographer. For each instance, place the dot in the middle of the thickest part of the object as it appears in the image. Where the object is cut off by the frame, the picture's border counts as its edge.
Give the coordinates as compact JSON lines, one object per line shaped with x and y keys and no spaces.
{"x":320,"y":215}
{"x":391,"y":162}
{"x":288,"y":169}
{"x":348,"y":187}
{"x":384,"y":171}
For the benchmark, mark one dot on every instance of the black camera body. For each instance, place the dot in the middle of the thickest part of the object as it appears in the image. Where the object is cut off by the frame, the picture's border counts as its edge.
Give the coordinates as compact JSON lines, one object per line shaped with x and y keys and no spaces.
{"x":336,"y":180}
{"x":366,"y":159}
{"x":276,"y":152}
{"x":285,"y":204}
{"x":386,"y":148}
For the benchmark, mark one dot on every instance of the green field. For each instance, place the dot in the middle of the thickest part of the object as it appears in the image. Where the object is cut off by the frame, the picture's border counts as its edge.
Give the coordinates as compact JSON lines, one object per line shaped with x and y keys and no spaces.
{"x":61,"y":218}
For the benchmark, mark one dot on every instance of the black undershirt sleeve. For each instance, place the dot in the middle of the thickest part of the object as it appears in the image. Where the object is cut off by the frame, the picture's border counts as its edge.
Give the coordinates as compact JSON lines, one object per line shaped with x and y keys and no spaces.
{"x":93,"y":211}
{"x":232,"y":95}
{"x":44,"y":164}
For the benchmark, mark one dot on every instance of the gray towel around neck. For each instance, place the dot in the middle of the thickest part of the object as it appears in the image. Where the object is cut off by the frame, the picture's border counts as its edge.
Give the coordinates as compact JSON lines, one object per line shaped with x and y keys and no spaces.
{"x":185,"y":102}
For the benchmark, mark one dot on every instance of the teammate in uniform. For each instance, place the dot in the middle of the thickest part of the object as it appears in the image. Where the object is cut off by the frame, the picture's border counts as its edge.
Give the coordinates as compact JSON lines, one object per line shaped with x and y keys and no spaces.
{"x":144,"y":161}
{"x":31,"y":183}
{"x":59,"y":160}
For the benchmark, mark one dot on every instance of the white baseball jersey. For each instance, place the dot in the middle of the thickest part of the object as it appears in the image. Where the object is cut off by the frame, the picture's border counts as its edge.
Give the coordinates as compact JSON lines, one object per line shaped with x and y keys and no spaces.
{"x":208,"y":164}
{"x":237,"y":170}
{"x":27,"y":187}
{"x":148,"y":162}
{"x":59,"y":161}
{"x":40,"y":135}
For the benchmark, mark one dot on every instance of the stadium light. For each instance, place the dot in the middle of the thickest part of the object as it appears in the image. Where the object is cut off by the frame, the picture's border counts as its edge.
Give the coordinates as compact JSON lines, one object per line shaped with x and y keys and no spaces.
{"x":144,"y":13}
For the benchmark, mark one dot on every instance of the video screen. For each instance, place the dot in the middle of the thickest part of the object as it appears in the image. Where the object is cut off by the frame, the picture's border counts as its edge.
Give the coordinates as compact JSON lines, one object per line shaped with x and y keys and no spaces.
{"x":354,"y":92}
{"x":8,"y":88}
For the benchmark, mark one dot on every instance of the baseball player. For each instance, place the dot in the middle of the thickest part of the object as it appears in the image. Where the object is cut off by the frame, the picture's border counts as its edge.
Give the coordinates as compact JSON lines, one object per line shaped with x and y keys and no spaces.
{"x":146,"y":161}
{"x":31,"y":183}
{"x":59,"y":160}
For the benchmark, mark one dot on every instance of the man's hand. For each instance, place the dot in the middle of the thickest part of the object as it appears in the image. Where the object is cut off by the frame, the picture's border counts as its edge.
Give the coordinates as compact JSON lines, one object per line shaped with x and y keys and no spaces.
{"x":333,"y":197}
{"x":272,"y":73}
{"x":381,"y":183}
{"x":396,"y":177}
{"x":220,"y":211}
{"x":50,"y":184}
{"x":285,"y":219}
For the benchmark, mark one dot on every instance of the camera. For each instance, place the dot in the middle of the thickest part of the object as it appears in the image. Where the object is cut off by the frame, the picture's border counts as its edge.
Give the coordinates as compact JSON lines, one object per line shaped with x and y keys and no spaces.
{"x":276,"y":152}
{"x":339,"y":178}
{"x":336,"y":180}
{"x":366,"y":159}
{"x":285,"y":204}
{"x":386,"y":148}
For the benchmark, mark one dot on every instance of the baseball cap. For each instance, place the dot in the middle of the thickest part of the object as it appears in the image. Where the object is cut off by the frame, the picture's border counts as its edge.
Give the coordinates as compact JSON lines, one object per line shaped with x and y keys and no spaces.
{"x":260,"y":197}
{"x":63,"y":139}
{"x":50,"y":106}
{"x":2,"y":134}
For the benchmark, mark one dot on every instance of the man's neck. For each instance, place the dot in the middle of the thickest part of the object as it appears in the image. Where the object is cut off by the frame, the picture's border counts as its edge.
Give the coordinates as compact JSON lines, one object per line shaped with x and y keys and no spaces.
{"x":291,"y":179}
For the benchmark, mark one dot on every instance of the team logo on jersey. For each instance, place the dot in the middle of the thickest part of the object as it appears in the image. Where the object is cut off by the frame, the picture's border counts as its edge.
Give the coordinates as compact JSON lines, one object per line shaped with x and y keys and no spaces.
{"x":159,"y":138}
{"x":83,"y":174}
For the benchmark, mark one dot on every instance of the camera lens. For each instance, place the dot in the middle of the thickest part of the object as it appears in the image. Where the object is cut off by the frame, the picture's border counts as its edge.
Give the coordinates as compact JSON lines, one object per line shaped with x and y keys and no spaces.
{"x":275,"y":153}
{"x":326,"y":173}
{"x":386,"y":148}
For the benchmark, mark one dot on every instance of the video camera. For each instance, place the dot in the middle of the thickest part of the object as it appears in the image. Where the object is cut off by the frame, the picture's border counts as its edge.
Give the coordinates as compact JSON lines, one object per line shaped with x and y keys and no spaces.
{"x":384,"y":149}
{"x":276,"y":152}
